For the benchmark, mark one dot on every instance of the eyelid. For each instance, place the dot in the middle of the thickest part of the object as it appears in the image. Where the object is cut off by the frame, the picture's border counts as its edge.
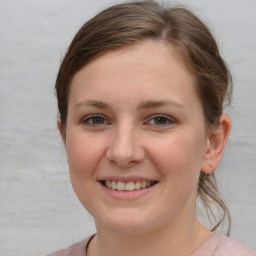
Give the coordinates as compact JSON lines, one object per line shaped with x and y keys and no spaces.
{"x":171,"y":120}
{"x":88,"y":117}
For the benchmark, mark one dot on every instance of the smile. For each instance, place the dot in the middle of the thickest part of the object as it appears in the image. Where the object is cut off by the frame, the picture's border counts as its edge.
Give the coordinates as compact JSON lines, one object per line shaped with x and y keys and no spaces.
{"x":128,"y":186}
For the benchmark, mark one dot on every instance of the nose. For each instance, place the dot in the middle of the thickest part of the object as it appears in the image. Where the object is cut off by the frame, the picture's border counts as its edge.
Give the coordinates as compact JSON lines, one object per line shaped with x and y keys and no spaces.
{"x":125,"y":147}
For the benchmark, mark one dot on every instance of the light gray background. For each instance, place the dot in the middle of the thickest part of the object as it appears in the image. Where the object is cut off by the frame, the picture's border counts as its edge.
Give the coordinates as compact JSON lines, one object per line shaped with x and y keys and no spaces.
{"x":39,"y":212}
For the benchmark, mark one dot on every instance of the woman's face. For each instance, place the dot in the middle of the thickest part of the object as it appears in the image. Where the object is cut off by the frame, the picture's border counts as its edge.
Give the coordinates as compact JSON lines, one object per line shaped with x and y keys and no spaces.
{"x":135,"y":120}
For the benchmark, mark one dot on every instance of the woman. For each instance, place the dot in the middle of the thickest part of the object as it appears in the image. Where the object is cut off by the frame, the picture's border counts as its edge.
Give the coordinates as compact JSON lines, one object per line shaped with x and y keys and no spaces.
{"x":140,"y":96}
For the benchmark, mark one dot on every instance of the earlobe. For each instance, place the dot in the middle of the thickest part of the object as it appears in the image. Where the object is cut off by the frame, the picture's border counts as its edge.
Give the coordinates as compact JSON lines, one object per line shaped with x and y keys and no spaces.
{"x":216,"y":144}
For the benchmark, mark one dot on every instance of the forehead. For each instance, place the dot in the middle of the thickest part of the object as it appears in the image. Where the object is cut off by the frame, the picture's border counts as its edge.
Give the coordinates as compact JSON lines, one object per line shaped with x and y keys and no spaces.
{"x":145,"y":68}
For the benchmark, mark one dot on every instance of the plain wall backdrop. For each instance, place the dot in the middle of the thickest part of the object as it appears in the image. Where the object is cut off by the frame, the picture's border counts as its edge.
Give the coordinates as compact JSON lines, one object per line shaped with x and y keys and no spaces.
{"x":39,"y":212}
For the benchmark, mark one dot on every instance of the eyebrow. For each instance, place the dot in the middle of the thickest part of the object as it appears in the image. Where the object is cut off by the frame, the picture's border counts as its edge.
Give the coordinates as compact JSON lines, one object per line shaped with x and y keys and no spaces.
{"x":159,"y":103}
{"x":93,"y":103}
{"x":143,"y":105}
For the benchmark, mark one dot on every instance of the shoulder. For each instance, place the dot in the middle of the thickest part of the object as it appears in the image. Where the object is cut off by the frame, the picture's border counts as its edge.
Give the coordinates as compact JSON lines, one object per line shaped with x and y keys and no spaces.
{"x":228,"y":246}
{"x":77,"y":249}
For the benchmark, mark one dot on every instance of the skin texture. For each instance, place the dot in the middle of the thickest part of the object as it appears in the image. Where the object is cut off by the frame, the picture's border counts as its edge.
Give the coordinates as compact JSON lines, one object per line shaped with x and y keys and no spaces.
{"x":133,"y":113}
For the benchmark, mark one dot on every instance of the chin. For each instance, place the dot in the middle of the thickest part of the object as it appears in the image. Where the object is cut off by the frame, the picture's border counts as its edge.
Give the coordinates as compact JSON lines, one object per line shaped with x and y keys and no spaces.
{"x":126,"y":222}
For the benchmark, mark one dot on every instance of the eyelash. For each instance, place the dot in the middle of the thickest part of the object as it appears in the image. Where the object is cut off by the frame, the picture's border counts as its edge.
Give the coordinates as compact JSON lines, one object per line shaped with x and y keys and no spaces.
{"x":166,"y":119}
{"x":92,"y":118}
{"x":90,"y":121}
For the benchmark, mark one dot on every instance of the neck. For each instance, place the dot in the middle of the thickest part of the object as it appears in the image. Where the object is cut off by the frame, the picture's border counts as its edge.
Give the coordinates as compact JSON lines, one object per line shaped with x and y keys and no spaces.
{"x":172,"y":241}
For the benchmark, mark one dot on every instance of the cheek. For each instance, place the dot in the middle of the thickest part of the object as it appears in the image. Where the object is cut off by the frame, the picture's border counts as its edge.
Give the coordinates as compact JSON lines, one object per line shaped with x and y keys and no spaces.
{"x":179,"y":159}
{"x":84,"y":153}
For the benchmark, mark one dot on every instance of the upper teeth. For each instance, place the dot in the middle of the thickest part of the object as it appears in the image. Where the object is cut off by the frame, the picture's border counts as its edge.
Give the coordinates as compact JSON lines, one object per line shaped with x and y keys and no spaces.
{"x":129,"y":186}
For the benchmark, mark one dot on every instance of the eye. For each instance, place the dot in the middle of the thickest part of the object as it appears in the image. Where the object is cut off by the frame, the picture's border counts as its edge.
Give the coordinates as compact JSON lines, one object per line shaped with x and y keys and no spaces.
{"x":161,"y":120}
{"x":95,"y":121}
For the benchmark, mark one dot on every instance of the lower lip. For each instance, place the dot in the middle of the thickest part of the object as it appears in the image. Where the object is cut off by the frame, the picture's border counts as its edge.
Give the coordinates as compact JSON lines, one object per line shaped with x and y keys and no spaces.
{"x":127,"y":195}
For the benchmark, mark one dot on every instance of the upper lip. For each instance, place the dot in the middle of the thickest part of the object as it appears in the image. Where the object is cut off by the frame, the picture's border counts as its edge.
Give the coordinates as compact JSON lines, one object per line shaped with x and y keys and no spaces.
{"x":125,"y":179}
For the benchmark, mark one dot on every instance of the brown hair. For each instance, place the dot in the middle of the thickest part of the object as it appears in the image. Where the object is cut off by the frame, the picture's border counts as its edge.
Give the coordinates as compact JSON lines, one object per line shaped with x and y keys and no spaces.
{"x":129,"y":23}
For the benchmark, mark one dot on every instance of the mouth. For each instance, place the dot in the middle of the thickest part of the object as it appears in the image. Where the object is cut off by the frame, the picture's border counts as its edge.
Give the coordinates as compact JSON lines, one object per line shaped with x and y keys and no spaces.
{"x":127,"y":186}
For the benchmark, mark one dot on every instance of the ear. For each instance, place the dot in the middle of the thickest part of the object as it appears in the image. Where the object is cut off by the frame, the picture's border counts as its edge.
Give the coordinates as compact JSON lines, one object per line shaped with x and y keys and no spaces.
{"x":215,"y":145}
{"x":62,"y":132}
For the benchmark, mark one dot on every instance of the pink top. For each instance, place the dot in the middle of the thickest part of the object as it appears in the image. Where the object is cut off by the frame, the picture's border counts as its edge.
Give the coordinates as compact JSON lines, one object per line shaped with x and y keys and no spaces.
{"x":216,"y":245}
